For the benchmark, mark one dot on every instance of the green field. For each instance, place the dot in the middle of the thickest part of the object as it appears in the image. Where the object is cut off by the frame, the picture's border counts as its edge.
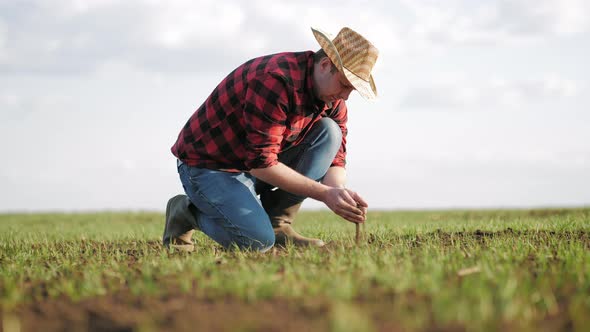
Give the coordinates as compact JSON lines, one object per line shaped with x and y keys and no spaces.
{"x":429,"y":270}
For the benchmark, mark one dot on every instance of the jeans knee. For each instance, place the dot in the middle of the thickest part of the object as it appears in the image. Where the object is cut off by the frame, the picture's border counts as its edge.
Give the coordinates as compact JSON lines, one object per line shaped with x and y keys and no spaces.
{"x":332,"y":131}
{"x":266,"y":248}
{"x":262,"y":241}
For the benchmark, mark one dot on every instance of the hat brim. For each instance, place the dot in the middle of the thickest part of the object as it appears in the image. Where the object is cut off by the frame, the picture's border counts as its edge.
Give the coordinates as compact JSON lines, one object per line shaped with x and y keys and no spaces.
{"x":366,"y":89}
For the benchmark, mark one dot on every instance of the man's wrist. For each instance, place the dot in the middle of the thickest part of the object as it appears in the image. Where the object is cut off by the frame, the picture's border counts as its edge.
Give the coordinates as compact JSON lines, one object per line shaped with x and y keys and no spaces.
{"x":321,"y":193}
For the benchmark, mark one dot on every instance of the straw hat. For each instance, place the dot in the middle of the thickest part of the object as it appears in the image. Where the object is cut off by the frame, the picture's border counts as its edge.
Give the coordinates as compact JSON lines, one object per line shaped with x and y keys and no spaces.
{"x":354,"y":56}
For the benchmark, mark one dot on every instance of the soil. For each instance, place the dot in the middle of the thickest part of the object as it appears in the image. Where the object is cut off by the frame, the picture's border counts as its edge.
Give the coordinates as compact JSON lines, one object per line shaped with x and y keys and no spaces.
{"x":182,"y":312}
{"x":185,"y":312}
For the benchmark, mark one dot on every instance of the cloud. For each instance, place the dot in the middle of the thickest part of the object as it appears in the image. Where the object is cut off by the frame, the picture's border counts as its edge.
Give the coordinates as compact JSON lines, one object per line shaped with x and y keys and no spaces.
{"x":73,"y":36}
{"x":9,"y":100}
{"x":534,"y":18}
{"x":16,"y":108}
{"x":522,"y":156}
{"x":175,"y":27}
{"x":493,"y":93}
{"x":3,"y":38}
{"x":500,"y":22}
{"x":78,"y":36}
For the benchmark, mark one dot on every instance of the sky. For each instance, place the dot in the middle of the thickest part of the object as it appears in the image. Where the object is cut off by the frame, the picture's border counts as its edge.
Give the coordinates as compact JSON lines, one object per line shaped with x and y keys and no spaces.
{"x":482,"y":104}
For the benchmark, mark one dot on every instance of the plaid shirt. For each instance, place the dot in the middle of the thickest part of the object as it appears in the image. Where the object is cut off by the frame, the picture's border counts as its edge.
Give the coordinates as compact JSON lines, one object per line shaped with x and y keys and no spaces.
{"x":262,"y":107}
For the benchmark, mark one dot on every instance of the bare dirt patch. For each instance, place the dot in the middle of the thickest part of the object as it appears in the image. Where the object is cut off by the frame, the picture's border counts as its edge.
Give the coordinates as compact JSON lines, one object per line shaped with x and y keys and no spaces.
{"x":186,"y":312}
{"x":180,"y":312}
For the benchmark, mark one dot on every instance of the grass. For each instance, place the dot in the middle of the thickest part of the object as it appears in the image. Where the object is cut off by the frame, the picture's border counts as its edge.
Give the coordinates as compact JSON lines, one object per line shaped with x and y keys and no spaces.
{"x":446,"y":270}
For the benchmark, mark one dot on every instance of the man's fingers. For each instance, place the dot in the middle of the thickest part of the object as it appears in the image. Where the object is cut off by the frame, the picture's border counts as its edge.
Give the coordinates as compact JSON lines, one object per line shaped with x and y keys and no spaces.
{"x":344,"y":204}
{"x":364,"y":210}
{"x":348,"y":198}
{"x":349,"y":205}
{"x":352,"y":209}
{"x":359,"y":200}
{"x":352,"y":217}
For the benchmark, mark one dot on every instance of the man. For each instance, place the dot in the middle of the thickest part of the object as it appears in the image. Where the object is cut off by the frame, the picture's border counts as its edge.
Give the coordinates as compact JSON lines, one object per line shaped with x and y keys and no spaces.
{"x":274,"y":127}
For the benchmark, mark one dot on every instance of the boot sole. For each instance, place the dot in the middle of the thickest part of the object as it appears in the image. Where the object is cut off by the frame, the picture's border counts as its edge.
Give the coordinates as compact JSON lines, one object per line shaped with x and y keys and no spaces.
{"x":183,"y":247}
{"x":318,"y":243}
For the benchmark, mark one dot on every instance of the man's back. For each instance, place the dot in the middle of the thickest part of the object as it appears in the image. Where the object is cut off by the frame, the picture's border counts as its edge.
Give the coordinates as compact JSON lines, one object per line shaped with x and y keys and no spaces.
{"x":259,"y":108}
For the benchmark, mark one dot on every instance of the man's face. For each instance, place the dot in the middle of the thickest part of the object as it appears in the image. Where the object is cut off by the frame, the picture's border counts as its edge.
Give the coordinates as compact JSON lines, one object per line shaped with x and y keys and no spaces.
{"x":330,"y":85}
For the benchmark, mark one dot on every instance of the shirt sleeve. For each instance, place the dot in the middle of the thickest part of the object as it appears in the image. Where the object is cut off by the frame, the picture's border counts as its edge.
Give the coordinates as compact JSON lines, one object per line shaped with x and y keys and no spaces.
{"x":340,"y":115}
{"x":265,"y":107}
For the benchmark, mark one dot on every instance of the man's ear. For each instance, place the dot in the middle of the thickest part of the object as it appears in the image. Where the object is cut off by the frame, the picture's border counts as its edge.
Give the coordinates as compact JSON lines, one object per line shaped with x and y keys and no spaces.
{"x":325,"y":64}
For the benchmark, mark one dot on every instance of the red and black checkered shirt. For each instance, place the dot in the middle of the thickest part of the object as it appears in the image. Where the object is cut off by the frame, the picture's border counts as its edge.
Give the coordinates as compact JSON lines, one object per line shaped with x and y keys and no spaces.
{"x":262,"y":107}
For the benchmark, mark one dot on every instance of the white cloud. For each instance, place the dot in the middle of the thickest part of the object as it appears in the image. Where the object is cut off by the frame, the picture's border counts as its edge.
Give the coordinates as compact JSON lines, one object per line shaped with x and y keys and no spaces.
{"x":78,"y":35}
{"x":77,"y":7}
{"x":529,"y":17}
{"x":3,"y":36}
{"x":492,"y":93}
{"x":498,"y":22}
{"x":501,"y":156}
{"x":181,"y":24}
{"x":9,"y":100}
{"x":129,"y":165}
{"x":13,"y":106}
{"x":19,"y":105}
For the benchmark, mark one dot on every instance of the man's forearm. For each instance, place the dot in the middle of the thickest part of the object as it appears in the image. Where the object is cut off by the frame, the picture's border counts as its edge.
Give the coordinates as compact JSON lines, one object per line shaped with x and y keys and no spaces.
{"x":344,"y":202}
{"x":335,"y":177}
{"x":284,"y":177}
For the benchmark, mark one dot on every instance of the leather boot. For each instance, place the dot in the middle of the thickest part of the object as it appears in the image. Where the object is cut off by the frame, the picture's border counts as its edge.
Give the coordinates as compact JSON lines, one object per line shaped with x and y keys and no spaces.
{"x":282,"y":214}
{"x":180,"y":223}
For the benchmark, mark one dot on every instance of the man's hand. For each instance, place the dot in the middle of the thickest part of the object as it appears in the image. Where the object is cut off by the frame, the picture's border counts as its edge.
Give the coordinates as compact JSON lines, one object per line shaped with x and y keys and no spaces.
{"x":347,"y":204}
{"x":344,"y":202}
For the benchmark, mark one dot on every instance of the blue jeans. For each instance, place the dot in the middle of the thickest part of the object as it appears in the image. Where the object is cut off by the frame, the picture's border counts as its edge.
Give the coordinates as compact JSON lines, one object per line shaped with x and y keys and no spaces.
{"x":229,"y":210}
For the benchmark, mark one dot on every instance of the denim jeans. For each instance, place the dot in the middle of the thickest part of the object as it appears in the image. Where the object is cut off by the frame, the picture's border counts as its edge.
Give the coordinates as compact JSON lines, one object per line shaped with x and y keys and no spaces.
{"x":229,"y":210}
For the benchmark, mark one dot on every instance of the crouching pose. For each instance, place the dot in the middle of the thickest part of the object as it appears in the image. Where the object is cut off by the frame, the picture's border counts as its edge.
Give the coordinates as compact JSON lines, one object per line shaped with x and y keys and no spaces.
{"x":271,"y":134}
